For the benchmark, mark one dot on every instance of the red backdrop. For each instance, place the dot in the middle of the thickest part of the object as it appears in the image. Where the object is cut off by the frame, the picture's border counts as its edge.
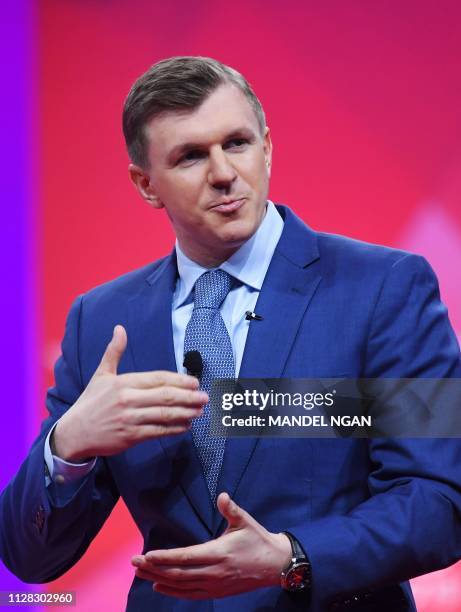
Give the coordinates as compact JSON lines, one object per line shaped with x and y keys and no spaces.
{"x":363,"y":101}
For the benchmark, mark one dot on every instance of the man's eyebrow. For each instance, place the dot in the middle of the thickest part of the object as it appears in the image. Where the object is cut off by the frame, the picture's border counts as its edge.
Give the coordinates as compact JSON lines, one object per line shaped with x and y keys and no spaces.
{"x":184,"y":147}
{"x":243,"y":132}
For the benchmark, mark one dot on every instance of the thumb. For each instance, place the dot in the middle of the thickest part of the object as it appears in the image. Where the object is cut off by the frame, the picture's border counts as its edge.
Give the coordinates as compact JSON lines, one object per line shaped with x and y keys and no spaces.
{"x":234,"y":515}
{"x":114,"y":351}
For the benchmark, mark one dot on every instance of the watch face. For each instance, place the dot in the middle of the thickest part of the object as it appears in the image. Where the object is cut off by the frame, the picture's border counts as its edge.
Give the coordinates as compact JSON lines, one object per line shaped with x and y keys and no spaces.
{"x":298,"y":577}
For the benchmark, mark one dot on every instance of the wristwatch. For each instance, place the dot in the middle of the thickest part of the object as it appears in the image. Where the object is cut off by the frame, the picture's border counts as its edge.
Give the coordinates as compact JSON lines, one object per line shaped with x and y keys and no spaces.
{"x":297,"y":575}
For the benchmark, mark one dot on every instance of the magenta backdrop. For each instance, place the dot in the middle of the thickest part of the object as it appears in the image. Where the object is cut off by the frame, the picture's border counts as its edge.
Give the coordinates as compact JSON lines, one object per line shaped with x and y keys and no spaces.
{"x":363,"y":100}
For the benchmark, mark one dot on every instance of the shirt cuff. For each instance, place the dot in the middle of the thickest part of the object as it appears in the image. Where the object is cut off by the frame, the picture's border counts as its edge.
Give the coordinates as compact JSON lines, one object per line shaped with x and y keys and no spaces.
{"x":58,"y":470}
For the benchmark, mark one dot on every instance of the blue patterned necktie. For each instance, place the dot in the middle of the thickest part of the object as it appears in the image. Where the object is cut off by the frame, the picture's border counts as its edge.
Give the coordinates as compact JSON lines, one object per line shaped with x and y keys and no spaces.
{"x":207,"y":333}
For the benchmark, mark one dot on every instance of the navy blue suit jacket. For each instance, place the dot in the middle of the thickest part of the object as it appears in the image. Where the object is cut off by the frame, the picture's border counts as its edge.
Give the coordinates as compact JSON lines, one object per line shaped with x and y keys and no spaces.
{"x":369,"y":513}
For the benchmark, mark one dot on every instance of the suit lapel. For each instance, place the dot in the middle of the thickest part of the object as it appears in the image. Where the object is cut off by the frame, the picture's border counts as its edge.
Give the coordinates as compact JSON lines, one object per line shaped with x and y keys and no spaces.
{"x":151,"y":343}
{"x":291,"y":281}
{"x":150,"y":336}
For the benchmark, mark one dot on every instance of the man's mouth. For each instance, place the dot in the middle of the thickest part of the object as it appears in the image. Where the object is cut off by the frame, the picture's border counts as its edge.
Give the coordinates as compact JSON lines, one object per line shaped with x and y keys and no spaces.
{"x":228,"y":205}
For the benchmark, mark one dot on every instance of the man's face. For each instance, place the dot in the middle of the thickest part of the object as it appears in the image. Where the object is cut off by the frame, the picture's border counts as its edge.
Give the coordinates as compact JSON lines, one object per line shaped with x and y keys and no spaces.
{"x":210,"y":169}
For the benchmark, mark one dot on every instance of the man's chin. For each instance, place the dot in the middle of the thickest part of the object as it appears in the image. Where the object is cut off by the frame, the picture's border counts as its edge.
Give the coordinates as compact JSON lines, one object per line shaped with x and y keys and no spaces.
{"x":241,"y":228}
{"x":235,"y":239}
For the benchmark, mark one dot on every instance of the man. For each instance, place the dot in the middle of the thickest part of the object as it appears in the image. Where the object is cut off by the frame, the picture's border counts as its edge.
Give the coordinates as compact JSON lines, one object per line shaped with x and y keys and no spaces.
{"x":222,"y":520}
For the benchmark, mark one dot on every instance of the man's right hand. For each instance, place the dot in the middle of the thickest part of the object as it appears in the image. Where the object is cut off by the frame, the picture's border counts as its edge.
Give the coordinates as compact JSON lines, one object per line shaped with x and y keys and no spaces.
{"x":117,"y":411}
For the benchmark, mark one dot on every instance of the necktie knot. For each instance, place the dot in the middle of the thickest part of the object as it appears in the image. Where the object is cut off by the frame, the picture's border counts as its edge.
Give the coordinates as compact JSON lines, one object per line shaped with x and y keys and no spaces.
{"x":211,"y":289}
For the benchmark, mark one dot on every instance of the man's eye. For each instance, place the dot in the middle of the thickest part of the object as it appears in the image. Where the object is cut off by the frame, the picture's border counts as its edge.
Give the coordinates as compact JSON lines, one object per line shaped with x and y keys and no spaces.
{"x":191,"y":156}
{"x":236,"y":143}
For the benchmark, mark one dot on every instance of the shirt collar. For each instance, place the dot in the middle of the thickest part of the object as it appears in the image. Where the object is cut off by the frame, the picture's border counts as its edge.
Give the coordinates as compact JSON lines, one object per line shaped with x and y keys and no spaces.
{"x":248,"y":264}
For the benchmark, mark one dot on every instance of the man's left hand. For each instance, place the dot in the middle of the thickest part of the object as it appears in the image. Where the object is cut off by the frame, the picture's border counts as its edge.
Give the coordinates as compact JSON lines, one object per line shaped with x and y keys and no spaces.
{"x":245,"y":557}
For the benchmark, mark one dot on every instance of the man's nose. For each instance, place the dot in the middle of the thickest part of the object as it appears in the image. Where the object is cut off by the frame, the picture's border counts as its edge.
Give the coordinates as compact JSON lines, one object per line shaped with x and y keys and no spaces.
{"x":221,"y":173}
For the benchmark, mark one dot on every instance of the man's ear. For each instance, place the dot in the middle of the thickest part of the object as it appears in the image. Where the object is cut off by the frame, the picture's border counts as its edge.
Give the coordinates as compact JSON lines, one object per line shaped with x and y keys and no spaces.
{"x":141,"y":180}
{"x":267,"y":144}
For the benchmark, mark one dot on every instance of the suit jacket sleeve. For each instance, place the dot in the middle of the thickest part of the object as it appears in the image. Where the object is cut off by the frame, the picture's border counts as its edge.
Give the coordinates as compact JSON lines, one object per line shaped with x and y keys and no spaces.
{"x":36,"y":522}
{"x":411,"y":522}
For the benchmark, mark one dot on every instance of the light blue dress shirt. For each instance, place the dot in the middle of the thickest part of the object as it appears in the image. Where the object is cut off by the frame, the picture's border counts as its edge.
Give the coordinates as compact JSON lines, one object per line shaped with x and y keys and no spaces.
{"x":248,"y":266}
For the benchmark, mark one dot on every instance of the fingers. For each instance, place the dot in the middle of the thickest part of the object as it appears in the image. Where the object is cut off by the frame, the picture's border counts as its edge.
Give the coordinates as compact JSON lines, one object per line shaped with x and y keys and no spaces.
{"x":184,"y":577}
{"x":207,"y":553}
{"x":150,"y":432}
{"x":155,"y":415}
{"x":178,"y":576}
{"x":161,"y":396}
{"x":159,"y":378}
{"x":114,"y":351}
